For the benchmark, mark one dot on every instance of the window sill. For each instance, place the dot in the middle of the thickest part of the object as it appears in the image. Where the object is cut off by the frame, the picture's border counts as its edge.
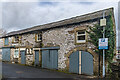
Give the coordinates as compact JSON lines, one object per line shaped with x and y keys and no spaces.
{"x":6,"y":45}
{"x":38,"y":41}
{"x":78,"y":43}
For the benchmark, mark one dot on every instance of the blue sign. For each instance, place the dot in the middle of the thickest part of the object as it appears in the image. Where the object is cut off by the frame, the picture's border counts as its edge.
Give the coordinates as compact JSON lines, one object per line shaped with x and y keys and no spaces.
{"x":103,"y":43}
{"x":103,"y":47}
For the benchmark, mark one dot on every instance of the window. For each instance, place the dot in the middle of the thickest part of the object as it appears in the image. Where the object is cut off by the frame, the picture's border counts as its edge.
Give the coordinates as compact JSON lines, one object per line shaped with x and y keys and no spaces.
{"x":16,"y":38}
{"x":6,"y":41}
{"x":80,"y":36}
{"x":16,"y":54}
{"x":29,"y":51}
{"x":39,"y":37}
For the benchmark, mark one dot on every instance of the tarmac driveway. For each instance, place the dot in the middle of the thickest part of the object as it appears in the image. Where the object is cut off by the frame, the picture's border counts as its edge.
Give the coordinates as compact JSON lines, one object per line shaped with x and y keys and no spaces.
{"x":15,"y":71}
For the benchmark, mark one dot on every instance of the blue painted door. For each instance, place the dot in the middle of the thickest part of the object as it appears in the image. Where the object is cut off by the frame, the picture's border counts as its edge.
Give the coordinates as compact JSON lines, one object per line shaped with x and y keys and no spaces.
{"x":53,"y":59}
{"x":86,"y":63}
{"x":6,"y":54}
{"x":81,"y":62}
{"x":45,"y":59}
{"x":50,"y":59}
{"x":36,"y":57}
{"x":23,"y":58}
{"x":74,"y":62}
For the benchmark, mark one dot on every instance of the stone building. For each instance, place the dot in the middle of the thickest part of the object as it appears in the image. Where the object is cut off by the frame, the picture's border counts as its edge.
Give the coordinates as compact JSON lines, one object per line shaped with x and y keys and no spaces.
{"x":2,"y":32}
{"x":59,"y":45}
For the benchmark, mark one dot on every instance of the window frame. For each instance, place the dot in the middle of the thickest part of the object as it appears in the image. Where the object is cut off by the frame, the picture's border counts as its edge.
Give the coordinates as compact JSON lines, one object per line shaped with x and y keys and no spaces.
{"x":29,"y":51}
{"x":38,"y":37}
{"x":15,"y":38}
{"x":15,"y":51}
{"x":80,"y":41}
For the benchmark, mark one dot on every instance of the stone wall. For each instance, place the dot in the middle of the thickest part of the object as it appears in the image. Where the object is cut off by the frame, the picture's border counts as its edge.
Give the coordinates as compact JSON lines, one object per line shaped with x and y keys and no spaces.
{"x":12,"y":54}
{"x":29,"y":59}
{"x":65,"y":38}
{"x":1,"y":45}
{"x":29,"y":40}
{"x":26,"y":40}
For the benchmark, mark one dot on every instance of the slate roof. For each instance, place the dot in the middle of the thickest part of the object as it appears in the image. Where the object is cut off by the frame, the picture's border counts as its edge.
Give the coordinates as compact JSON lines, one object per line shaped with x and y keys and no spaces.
{"x":77,"y":19}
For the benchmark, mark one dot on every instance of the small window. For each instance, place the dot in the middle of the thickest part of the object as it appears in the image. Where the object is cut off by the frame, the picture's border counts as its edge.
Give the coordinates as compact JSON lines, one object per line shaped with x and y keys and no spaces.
{"x":16,"y":38}
{"x":29,"y":51}
{"x":16,"y":53}
{"x":80,"y":36}
{"x":39,"y":37}
{"x":6,"y":41}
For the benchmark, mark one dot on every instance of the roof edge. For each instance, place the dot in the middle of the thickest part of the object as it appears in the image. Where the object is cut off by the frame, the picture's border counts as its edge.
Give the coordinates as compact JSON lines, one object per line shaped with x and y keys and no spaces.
{"x":72,"y":20}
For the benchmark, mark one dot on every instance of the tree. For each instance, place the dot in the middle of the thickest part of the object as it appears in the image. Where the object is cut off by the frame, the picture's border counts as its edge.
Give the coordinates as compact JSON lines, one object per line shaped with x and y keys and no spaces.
{"x":96,"y":32}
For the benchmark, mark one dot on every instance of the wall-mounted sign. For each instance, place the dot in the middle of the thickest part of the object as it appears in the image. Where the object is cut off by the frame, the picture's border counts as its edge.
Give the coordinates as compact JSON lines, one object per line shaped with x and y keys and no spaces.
{"x":103,"y":22}
{"x":103,"y":43}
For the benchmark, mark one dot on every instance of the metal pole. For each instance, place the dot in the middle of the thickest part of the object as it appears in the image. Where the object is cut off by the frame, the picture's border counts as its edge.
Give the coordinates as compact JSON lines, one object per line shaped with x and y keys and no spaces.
{"x":103,"y":54}
{"x":103,"y":51}
{"x":99,"y":64}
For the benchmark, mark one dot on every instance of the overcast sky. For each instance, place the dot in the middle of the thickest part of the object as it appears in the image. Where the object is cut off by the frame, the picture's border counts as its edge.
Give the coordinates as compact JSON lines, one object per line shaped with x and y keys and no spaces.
{"x":20,"y":15}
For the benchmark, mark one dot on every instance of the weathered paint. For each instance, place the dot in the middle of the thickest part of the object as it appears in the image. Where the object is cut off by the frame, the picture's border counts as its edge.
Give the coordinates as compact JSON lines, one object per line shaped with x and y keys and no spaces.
{"x":45,"y":59}
{"x":6,"y":54}
{"x":50,"y":59}
{"x":23,"y":58}
{"x":74,"y":62}
{"x":37,"y":57}
{"x":81,"y":62}
{"x":53,"y":59}
{"x":86,"y":63}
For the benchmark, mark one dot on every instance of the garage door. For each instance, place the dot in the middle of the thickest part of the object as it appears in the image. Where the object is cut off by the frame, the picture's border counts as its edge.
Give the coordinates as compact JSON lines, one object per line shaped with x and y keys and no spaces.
{"x":23,"y":58}
{"x":86,"y":63}
{"x":74,"y":62}
{"x":50,"y":59}
{"x":37,"y":57}
{"x":81,"y":62}
{"x":6,"y":54}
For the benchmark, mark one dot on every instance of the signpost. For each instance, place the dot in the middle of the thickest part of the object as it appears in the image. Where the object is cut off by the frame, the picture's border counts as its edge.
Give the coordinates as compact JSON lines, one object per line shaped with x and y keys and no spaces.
{"x":103,"y":42}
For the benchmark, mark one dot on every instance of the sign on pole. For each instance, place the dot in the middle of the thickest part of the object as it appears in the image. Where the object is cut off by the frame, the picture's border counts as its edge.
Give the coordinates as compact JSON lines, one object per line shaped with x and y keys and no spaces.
{"x":103,"y":22}
{"x":103,"y":43}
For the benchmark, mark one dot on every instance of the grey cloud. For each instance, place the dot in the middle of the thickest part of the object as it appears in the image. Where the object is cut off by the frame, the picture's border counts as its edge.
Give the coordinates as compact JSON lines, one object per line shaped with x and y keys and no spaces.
{"x":20,"y":15}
